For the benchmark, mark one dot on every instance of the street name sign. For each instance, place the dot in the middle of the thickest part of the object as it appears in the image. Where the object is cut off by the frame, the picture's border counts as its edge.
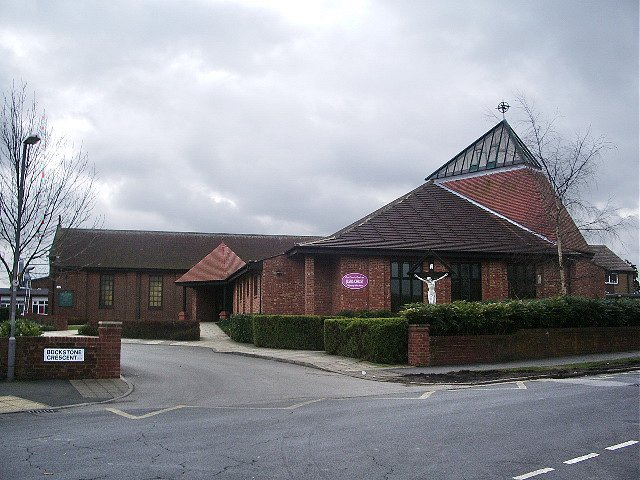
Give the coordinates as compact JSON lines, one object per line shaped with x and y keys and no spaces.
{"x":64,"y":354}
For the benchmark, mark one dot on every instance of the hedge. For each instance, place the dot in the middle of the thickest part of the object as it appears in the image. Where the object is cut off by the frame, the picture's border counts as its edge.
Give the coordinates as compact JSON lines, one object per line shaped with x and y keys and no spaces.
{"x":156,"y":330}
{"x":162,"y":329}
{"x":476,"y":318}
{"x":5,"y":314}
{"x":296,"y":332}
{"x":240,"y":328}
{"x":366,"y":314}
{"x":379,"y":340}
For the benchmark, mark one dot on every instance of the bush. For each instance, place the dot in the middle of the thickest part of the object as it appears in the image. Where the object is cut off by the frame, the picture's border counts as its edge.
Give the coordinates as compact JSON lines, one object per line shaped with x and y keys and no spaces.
{"x":5,"y":313}
{"x":241,"y":328}
{"x":297,"y":332}
{"x":476,"y":318}
{"x":162,"y":330}
{"x":379,"y":340}
{"x":24,"y":328}
{"x":88,"y":329}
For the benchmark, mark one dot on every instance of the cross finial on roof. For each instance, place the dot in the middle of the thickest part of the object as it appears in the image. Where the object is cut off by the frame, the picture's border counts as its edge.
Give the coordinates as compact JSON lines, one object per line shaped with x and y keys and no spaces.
{"x":503,"y":107}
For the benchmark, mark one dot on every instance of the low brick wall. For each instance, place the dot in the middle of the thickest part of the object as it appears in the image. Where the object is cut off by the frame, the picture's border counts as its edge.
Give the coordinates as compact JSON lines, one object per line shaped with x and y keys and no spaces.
{"x":101,"y":356}
{"x":523,"y":345}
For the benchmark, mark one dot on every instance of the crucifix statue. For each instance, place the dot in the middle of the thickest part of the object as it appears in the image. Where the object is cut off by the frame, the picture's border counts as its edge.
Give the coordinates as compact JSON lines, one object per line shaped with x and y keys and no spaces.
{"x":430,"y":277}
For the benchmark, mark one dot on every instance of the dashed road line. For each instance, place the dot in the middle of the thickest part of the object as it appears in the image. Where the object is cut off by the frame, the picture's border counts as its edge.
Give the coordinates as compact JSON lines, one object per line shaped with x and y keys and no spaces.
{"x":575,"y":460}
{"x":533,"y":474}
{"x":622,"y":445}
{"x":581,"y":459}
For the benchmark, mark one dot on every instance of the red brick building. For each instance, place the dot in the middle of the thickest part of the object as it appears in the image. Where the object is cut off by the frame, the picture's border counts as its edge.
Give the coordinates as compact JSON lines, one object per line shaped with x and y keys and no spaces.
{"x":483,"y":217}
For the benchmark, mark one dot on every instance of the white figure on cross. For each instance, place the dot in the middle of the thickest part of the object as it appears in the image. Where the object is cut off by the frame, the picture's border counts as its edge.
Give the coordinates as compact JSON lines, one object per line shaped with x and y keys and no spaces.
{"x":431,"y":284}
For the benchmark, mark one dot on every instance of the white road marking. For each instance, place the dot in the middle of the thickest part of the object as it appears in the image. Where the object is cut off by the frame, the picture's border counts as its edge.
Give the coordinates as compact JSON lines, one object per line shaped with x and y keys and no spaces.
{"x":533,"y":474}
{"x":519,"y":386}
{"x":302,"y":404}
{"x":146,"y":415}
{"x":591,"y":382}
{"x":581,"y":459}
{"x":622,"y":445}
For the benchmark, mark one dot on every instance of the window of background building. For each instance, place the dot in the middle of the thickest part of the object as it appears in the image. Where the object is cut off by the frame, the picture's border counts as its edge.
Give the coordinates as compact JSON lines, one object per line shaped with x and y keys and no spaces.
{"x":466,"y":282}
{"x":612,"y":278}
{"x":106,"y":291}
{"x":522,"y":280}
{"x":405,"y":288}
{"x":155,"y":291}
{"x":40,"y":306}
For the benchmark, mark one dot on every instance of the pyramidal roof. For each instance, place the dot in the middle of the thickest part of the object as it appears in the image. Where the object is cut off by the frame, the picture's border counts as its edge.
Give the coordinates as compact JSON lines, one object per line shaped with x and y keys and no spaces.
{"x":216,"y":266}
{"x":498,"y":148}
{"x":491,"y":197}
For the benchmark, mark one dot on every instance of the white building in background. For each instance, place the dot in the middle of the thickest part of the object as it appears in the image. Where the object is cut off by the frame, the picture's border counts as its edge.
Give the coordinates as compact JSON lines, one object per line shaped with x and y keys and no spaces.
{"x":36,"y":298}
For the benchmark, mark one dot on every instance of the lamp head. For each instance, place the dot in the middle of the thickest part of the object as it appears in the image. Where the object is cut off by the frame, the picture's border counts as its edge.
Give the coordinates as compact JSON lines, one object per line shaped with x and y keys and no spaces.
{"x":31,"y":140}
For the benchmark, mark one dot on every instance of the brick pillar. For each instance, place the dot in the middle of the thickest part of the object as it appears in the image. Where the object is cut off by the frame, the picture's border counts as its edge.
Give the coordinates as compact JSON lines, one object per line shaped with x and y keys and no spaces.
{"x":419,"y":348}
{"x":109,"y":342}
{"x":309,"y":286}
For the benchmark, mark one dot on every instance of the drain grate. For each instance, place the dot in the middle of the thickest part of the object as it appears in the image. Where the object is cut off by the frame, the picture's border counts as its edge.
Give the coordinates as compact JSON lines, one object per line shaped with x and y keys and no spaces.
{"x":42,"y":410}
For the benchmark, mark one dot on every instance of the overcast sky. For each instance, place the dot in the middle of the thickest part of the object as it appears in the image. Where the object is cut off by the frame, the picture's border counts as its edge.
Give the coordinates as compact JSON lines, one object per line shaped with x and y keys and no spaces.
{"x":299,"y":117}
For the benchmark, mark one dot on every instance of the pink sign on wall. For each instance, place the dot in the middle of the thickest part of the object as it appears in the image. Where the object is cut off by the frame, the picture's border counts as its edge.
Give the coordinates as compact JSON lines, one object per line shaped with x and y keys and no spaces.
{"x":355,"y":281}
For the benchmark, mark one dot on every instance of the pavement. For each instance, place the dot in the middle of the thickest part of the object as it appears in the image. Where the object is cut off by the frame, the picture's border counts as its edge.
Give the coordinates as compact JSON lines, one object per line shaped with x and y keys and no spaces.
{"x":42,"y":395}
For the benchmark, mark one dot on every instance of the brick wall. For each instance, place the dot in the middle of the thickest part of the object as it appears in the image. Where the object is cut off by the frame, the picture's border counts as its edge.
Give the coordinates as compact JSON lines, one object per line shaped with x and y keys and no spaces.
{"x":283,"y":285}
{"x":101,"y":356}
{"x":586,"y":279}
{"x":527,"y":344}
{"x":375,"y":296}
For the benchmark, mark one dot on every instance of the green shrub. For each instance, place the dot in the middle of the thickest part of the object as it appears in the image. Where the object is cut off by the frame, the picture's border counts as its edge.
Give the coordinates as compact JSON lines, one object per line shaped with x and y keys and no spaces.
{"x":24,"y":328}
{"x":367,"y":314}
{"x":495,"y":318}
{"x":88,"y":329}
{"x":297,"y":332}
{"x":5,"y":314}
{"x":162,"y":330}
{"x":241,"y":328}
{"x":225,"y":325}
{"x":379,"y":340}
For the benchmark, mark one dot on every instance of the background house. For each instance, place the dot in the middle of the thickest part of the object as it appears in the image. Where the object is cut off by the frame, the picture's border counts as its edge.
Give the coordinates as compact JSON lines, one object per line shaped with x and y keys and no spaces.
{"x":619,"y":275}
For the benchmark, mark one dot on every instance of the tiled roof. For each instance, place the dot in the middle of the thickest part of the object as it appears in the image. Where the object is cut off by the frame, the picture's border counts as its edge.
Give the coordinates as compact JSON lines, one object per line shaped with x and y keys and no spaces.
{"x":431,"y":217}
{"x":136,"y":250}
{"x":498,"y":148}
{"x":608,"y":260}
{"x":524,"y":196}
{"x":218,"y":265}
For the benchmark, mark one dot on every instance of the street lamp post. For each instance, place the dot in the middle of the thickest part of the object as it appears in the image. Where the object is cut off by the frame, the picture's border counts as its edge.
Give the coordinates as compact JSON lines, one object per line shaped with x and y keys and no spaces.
{"x":11,"y":354}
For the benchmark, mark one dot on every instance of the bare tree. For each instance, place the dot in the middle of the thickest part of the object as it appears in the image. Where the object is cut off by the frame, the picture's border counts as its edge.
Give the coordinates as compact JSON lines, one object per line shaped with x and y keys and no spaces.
{"x":43,"y":186}
{"x":570,"y":167}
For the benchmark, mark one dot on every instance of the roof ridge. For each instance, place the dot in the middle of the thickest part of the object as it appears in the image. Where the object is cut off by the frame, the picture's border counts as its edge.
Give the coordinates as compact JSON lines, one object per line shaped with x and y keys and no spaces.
{"x":174,"y":232}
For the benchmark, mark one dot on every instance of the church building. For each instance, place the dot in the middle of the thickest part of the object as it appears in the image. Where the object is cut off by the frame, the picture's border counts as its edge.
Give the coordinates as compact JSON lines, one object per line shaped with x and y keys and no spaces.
{"x":480,"y":224}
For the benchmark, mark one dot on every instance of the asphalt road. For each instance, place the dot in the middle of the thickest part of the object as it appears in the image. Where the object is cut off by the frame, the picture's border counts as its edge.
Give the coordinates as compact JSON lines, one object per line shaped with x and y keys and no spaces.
{"x":195,"y":414}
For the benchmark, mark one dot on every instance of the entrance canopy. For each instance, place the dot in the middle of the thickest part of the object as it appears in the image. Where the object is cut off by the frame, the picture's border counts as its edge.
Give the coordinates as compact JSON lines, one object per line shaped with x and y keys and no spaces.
{"x":219,"y":265}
